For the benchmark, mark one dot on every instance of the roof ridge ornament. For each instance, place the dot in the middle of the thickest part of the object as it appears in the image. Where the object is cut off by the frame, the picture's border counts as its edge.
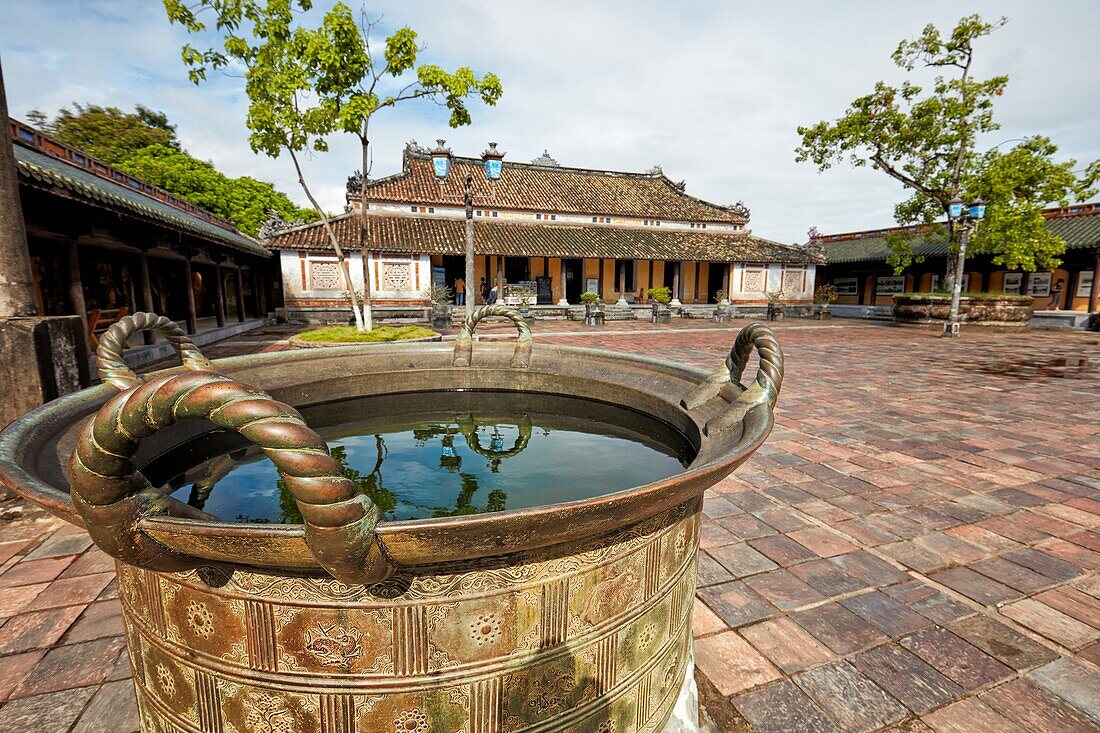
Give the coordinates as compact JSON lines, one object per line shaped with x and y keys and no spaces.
{"x":546,"y":160}
{"x":275,"y":224}
{"x":739,"y":208}
{"x":656,"y":170}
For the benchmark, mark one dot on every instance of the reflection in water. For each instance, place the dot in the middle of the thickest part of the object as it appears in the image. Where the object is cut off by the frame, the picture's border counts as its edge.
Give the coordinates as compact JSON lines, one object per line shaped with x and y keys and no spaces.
{"x":434,"y":464}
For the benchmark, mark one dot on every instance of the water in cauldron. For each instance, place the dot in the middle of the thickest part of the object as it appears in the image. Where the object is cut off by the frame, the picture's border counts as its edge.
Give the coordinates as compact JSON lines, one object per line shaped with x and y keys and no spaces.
{"x":439,"y":454}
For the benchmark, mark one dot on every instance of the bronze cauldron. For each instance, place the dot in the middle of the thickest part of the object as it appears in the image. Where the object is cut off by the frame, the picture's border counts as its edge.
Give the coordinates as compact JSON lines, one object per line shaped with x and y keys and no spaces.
{"x":565,"y":617}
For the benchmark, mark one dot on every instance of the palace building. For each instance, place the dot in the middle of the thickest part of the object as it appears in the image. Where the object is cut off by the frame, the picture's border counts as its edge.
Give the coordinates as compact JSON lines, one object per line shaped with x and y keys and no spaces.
{"x":556,"y":230}
{"x":103,"y":244}
{"x":857,"y":266}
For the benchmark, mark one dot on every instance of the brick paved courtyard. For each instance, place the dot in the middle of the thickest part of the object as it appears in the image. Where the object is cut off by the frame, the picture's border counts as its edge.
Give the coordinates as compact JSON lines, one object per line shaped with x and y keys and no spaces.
{"x":914,"y":549}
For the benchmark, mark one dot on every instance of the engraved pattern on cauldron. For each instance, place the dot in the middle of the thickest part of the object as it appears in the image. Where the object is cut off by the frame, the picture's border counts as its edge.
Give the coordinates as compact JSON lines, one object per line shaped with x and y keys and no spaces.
{"x":606,"y":658}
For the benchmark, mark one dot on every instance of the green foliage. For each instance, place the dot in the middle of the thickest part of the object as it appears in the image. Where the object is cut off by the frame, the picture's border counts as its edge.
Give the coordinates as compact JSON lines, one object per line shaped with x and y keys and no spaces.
{"x":590,"y":298}
{"x":304,"y":83}
{"x":825,"y":294}
{"x":108,"y":133}
{"x":245,"y":200}
{"x":661,"y":295}
{"x":1019,"y":184}
{"x":927,"y":141}
{"x":719,"y":295}
{"x":349,"y":334}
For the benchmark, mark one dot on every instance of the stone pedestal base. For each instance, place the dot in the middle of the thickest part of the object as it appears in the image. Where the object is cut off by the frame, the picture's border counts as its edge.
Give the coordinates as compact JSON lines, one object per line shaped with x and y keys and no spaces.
{"x":685,"y":715}
{"x":43,"y":358}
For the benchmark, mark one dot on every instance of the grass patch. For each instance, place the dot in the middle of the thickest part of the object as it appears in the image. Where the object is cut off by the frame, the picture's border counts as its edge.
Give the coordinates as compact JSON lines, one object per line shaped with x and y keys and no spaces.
{"x":348,"y":334}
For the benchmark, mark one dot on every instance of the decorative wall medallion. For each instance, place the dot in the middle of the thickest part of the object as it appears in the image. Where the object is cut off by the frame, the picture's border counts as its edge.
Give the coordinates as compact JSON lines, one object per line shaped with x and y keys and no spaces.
{"x":200,"y":619}
{"x":333,"y":645}
{"x":411,"y":721}
{"x":647,"y":635}
{"x":325,"y":276}
{"x":268,"y":713}
{"x":396,"y":276}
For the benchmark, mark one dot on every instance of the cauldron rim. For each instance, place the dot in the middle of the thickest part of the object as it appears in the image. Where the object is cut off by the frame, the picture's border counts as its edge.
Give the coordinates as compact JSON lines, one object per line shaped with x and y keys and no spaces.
{"x":423,"y":541}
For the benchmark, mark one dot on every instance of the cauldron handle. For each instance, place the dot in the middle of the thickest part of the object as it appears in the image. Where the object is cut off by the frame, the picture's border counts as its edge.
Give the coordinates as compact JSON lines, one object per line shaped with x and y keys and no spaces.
{"x":464,"y":342}
{"x":726,"y":379}
{"x":113,"y":370}
{"x":114,"y":498}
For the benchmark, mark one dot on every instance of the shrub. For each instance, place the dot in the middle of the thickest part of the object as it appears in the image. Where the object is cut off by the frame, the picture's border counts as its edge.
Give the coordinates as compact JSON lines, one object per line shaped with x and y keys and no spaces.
{"x":825,"y":294}
{"x":590,"y":298}
{"x":719,"y":296}
{"x":661,"y":295}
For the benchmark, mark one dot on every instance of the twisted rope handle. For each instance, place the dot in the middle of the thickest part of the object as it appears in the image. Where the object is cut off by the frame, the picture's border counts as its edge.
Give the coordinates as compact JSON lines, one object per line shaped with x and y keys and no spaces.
{"x":113,"y":370}
{"x":114,"y":497}
{"x":726,"y":379}
{"x":464,"y":342}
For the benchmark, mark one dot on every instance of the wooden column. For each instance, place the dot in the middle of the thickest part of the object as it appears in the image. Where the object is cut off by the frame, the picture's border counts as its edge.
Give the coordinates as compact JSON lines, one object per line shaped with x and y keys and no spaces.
{"x":622,"y":281}
{"x":76,"y":284}
{"x":146,"y":292}
{"x":192,"y":315}
{"x":219,"y":296}
{"x":676,"y":281}
{"x":564,"y":299}
{"x":238,"y":287}
{"x":500,"y":278}
{"x":1094,"y":294}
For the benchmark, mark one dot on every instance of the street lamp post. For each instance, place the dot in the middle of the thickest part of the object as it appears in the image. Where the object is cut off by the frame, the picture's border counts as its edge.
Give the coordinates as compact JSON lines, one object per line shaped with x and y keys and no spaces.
{"x":966,"y":218}
{"x":493,"y":161}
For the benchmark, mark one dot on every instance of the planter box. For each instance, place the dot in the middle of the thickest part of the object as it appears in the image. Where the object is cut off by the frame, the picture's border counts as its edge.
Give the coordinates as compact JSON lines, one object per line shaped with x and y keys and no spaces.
{"x":593,"y":315}
{"x":821,"y":311}
{"x":1007,"y":310}
{"x":775,"y":312}
{"x":662,"y":313}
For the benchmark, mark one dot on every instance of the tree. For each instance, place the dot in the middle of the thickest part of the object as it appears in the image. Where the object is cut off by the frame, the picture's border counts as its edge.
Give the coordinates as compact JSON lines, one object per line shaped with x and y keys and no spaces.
{"x":305,"y":83}
{"x":245,"y":200}
{"x":927,"y":142}
{"x":108,"y":133}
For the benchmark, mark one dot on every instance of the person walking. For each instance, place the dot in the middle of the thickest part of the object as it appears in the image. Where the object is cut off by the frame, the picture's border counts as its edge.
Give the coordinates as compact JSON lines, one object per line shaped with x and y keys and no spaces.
{"x":460,"y":292}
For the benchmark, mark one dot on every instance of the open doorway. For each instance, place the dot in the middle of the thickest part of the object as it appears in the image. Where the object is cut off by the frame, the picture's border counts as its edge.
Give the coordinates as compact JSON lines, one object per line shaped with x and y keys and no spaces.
{"x":672,"y":281}
{"x":716,"y":280}
{"x":574,"y":280}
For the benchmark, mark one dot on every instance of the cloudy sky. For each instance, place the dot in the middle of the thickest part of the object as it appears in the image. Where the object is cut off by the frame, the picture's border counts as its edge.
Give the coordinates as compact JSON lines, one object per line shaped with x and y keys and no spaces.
{"x":712,"y":91}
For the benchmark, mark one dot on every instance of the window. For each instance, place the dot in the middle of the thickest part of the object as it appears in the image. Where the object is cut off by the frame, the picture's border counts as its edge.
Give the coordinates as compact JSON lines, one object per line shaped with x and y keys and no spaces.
{"x":478,"y":212}
{"x":553,"y":217}
{"x":538,"y":216}
{"x":692,"y":225}
{"x":657,"y":223}
{"x":431,"y":209}
{"x":703,"y":225}
{"x":412,"y":209}
{"x":496,"y":214}
{"x":594,"y":218}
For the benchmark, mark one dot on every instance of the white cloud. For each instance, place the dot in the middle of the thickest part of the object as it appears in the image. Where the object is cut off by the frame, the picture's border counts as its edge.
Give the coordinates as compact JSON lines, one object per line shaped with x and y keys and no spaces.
{"x":713,"y":91}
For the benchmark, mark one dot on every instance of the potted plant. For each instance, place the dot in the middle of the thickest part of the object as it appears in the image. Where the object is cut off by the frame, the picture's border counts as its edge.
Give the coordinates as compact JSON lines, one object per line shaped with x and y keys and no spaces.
{"x":722,"y":312}
{"x":661,"y":297}
{"x":526,"y":298}
{"x":440,"y":297}
{"x":775,"y":307}
{"x":593,"y":311}
{"x":823,"y":296}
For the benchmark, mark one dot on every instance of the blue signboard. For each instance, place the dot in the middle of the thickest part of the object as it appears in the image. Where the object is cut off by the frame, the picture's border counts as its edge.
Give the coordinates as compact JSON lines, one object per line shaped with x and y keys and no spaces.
{"x":492,"y":169}
{"x":442,"y":166}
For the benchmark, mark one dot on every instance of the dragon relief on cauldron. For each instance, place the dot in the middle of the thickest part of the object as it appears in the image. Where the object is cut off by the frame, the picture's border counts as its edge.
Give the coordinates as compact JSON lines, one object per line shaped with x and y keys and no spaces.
{"x":333,"y":646}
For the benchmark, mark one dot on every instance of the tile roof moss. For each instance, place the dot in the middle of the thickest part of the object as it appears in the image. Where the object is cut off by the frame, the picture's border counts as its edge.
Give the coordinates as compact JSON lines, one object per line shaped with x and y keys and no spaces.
{"x":409,"y":234}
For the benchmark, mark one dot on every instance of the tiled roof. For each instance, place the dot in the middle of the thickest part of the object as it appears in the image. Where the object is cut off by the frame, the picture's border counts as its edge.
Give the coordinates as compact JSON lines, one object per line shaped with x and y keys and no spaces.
{"x":448,"y":236}
{"x":548,"y":188}
{"x":1078,"y":225}
{"x":50,"y":173}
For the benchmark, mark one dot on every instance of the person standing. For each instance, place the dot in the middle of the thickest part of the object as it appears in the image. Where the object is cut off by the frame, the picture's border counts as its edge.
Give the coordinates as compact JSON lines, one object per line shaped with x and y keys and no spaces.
{"x":484,"y":291}
{"x":460,"y":292}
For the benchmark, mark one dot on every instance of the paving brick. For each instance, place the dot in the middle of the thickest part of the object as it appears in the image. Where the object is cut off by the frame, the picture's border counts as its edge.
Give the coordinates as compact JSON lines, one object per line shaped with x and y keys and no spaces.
{"x":735,"y":603}
{"x":982,"y":538}
{"x":704,"y":621}
{"x":975,"y":586}
{"x":1072,"y":602}
{"x":709,"y":571}
{"x":783,"y":590}
{"x":854,"y":702}
{"x":1034,"y":708}
{"x":1048,"y":565}
{"x":112,"y":710}
{"x":1076,"y":684}
{"x":1051,"y":623}
{"x":72,"y":666}
{"x":918,"y":686}
{"x":962,"y":663}
{"x":1012,"y":575}
{"x":787,"y":645}
{"x":1003,"y":642}
{"x":37,"y":571}
{"x":712,"y":535}
{"x":71,"y":591}
{"x":98,"y":621}
{"x":741,"y":560}
{"x":885,"y":614}
{"x":91,"y":562}
{"x":731,"y":664}
{"x":14,"y":667}
{"x":827,"y":578}
{"x":822,"y":541}
{"x":868,"y":568}
{"x":838,"y":628}
{"x":928,"y":602}
{"x":61,"y":544}
{"x":36,"y":630}
{"x":782,"y":520}
{"x":56,"y":711}
{"x":717,"y":506}
{"x":970,"y":716}
{"x":914,"y":555}
{"x":14,"y":600}
{"x":1070,"y":552}
{"x":782,"y":550}
{"x":782,"y":708}
{"x":745,"y":526}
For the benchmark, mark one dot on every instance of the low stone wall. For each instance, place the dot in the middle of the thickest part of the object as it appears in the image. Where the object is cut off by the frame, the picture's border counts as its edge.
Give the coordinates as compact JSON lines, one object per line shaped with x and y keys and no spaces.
{"x":1007,"y":310}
